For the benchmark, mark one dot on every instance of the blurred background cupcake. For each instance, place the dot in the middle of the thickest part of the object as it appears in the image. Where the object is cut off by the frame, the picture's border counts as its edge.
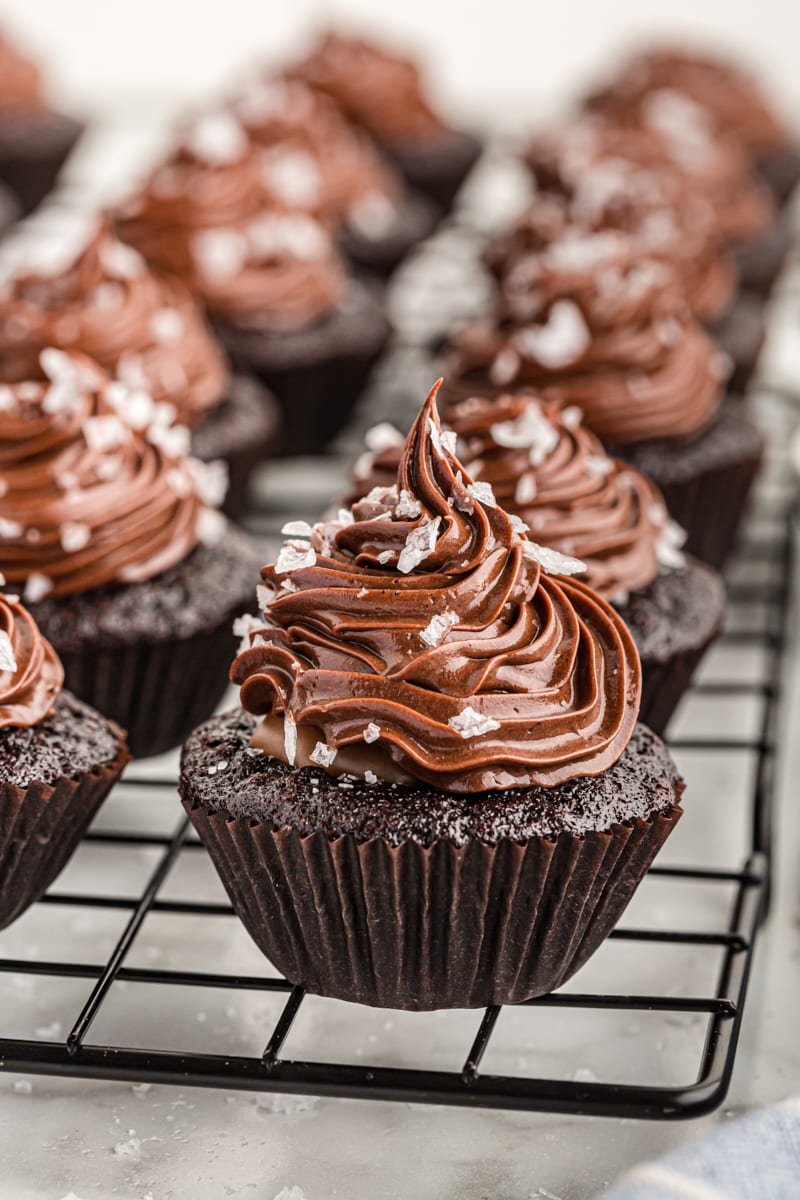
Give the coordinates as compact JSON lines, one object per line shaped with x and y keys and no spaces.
{"x":58,"y":761}
{"x":96,"y":295}
{"x":35,"y":140}
{"x":127,"y":570}
{"x":269,"y":275}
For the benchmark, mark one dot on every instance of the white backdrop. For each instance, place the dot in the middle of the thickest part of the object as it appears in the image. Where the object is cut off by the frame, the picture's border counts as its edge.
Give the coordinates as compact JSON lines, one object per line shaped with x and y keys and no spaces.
{"x":488,"y":55}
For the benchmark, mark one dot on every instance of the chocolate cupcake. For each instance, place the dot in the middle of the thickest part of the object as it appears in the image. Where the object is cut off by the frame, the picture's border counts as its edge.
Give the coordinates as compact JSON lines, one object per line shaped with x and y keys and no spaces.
{"x":98,"y":296}
{"x":35,"y":141}
{"x":732,"y":100}
{"x":127,"y":572}
{"x":590,"y":322}
{"x":448,"y":801}
{"x":384,"y":94}
{"x":316,"y":161}
{"x":58,"y":761}
{"x":670,"y":134}
{"x":271,"y":279}
{"x":542,"y":466}
{"x":662,"y":223}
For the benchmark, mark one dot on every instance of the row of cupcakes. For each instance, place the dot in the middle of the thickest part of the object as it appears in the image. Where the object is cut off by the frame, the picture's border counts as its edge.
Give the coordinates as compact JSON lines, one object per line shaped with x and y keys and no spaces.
{"x":437,"y":792}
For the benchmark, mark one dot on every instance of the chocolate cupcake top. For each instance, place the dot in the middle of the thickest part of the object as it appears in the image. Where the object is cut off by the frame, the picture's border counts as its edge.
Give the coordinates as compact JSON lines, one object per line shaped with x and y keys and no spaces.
{"x":589,"y":322}
{"x":669,"y":134}
{"x":205,"y":216}
{"x":315,"y":160}
{"x":20,"y":81}
{"x":423,"y":635}
{"x":730,"y":96}
{"x":650,"y":208}
{"x":103,"y":300}
{"x":31,"y":673}
{"x":95,"y":486}
{"x":546,"y":468}
{"x":377,"y":89}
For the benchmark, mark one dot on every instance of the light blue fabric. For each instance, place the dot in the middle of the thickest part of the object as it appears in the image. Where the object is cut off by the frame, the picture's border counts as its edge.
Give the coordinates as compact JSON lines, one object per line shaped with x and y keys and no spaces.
{"x":754,"y":1158}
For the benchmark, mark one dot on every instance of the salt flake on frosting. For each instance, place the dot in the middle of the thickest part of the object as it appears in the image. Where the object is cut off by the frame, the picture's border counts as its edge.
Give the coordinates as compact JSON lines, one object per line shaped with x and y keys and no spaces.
{"x":243,"y":626}
{"x":531,"y":430}
{"x":560,"y":341}
{"x":298,"y":529}
{"x":525,"y":491}
{"x":290,"y":738}
{"x":323,"y":755}
{"x":552,"y":561}
{"x":597,"y":464}
{"x":121,"y":261}
{"x":469,"y":723}
{"x":371,"y":733}
{"x":37,"y":587}
{"x":294,"y":556}
{"x":419,"y":544}
{"x":74,"y":536}
{"x":382,"y":437}
{"x":10,"y":529}
{"x":219,"y":253}
{"x":482,"y":492}
{"x":407,"y":505}
{"x":211,"y":526}
{"x":571,"y":416}
{"x":668,"y":548}
{"x":217,"y":139}
{"x":8,"y":660}
{"x":105,"y":433}
{"x":166,"y":326}
{"x":438,"y":627}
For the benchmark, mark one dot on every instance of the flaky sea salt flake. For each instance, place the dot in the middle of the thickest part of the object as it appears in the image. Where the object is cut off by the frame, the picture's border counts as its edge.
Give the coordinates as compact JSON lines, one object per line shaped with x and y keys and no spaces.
{"x":8,"y":661}
{"x":531,"y":430}
{"x":482,"y":492}
{"x":294,"y":556}
{"x":469,"y":723}
{"x":419,"y":544}
{"x":552,"y":561}
{"x":74,"y":536}
{"x":298,"y":529}
{"x":290,"y":738}
{"x":323,"y":755}
{"x":105,"y":433}
{"x":371,"y":733}
{"x":37,"y":586}
{"x":438,"y":627}
{"x":560,"y":341}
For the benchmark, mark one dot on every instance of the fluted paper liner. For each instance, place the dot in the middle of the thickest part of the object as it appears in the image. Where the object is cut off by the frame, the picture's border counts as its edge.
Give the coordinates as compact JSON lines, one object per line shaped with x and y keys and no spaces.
{"x":425,"y":928}
{"x":158,"y":691}
{"x":40,"y":827}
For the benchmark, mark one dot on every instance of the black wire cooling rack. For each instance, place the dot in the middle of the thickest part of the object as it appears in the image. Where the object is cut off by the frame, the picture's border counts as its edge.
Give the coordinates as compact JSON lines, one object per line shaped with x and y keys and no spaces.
{"x":759,"y":604}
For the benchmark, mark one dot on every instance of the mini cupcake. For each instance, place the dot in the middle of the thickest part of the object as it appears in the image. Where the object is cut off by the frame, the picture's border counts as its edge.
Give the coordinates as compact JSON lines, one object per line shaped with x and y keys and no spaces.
{"x":127,"y":572}
{"x":543,"y":467}
{"x":447,"y":801}
{"x":318,"y":162}
{"x":384,"y":94}
{"x":670,"y":134}
{"x":730,"y":97}
{"x":100,"y":297}
{"x":58,"y":761}
{"x":35,"y":141}
{"x":589,"y":322}
{"x":278,"y":293}
{"x":664,"y":224}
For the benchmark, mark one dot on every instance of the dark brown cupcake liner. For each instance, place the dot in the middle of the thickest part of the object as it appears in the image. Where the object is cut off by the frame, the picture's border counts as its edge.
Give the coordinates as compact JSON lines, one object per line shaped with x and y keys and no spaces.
{"x":780,"y":170}
{"x":741,"y":334}
{"x":40,"y":827}
{"x":243,"y":432}
{"x":436,"y":165}
{"x":705,"y":484}
{"x":380,"y":256}
{"x":664,"y":683}
{"x":157,"y":691}
{"x":425,"y":928}
{"x":33,"y":149}
{"x":761,"y":259}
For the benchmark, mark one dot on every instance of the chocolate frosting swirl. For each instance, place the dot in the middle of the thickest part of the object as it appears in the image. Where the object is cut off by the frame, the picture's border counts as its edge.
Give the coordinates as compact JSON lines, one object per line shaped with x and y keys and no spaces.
{"x":315,"y":160}
{"x":206,"y":216}
{"x":668,"y":135}
{"x":20,"y":81}
{"x":86,"y":499}
{"x":730,"y":96}
{"x":377,"y":89}
{"x":105,"y":302}
{"x":31,"y":673}
{"x":545,"y":467}
{"x":424,"y":621}
{"x":588,"y":322}
{"x":648,"y":206}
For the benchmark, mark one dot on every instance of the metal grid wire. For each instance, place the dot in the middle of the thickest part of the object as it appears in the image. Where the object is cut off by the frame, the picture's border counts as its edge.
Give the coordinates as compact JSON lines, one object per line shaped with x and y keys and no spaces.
{"x":759,"y":607}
